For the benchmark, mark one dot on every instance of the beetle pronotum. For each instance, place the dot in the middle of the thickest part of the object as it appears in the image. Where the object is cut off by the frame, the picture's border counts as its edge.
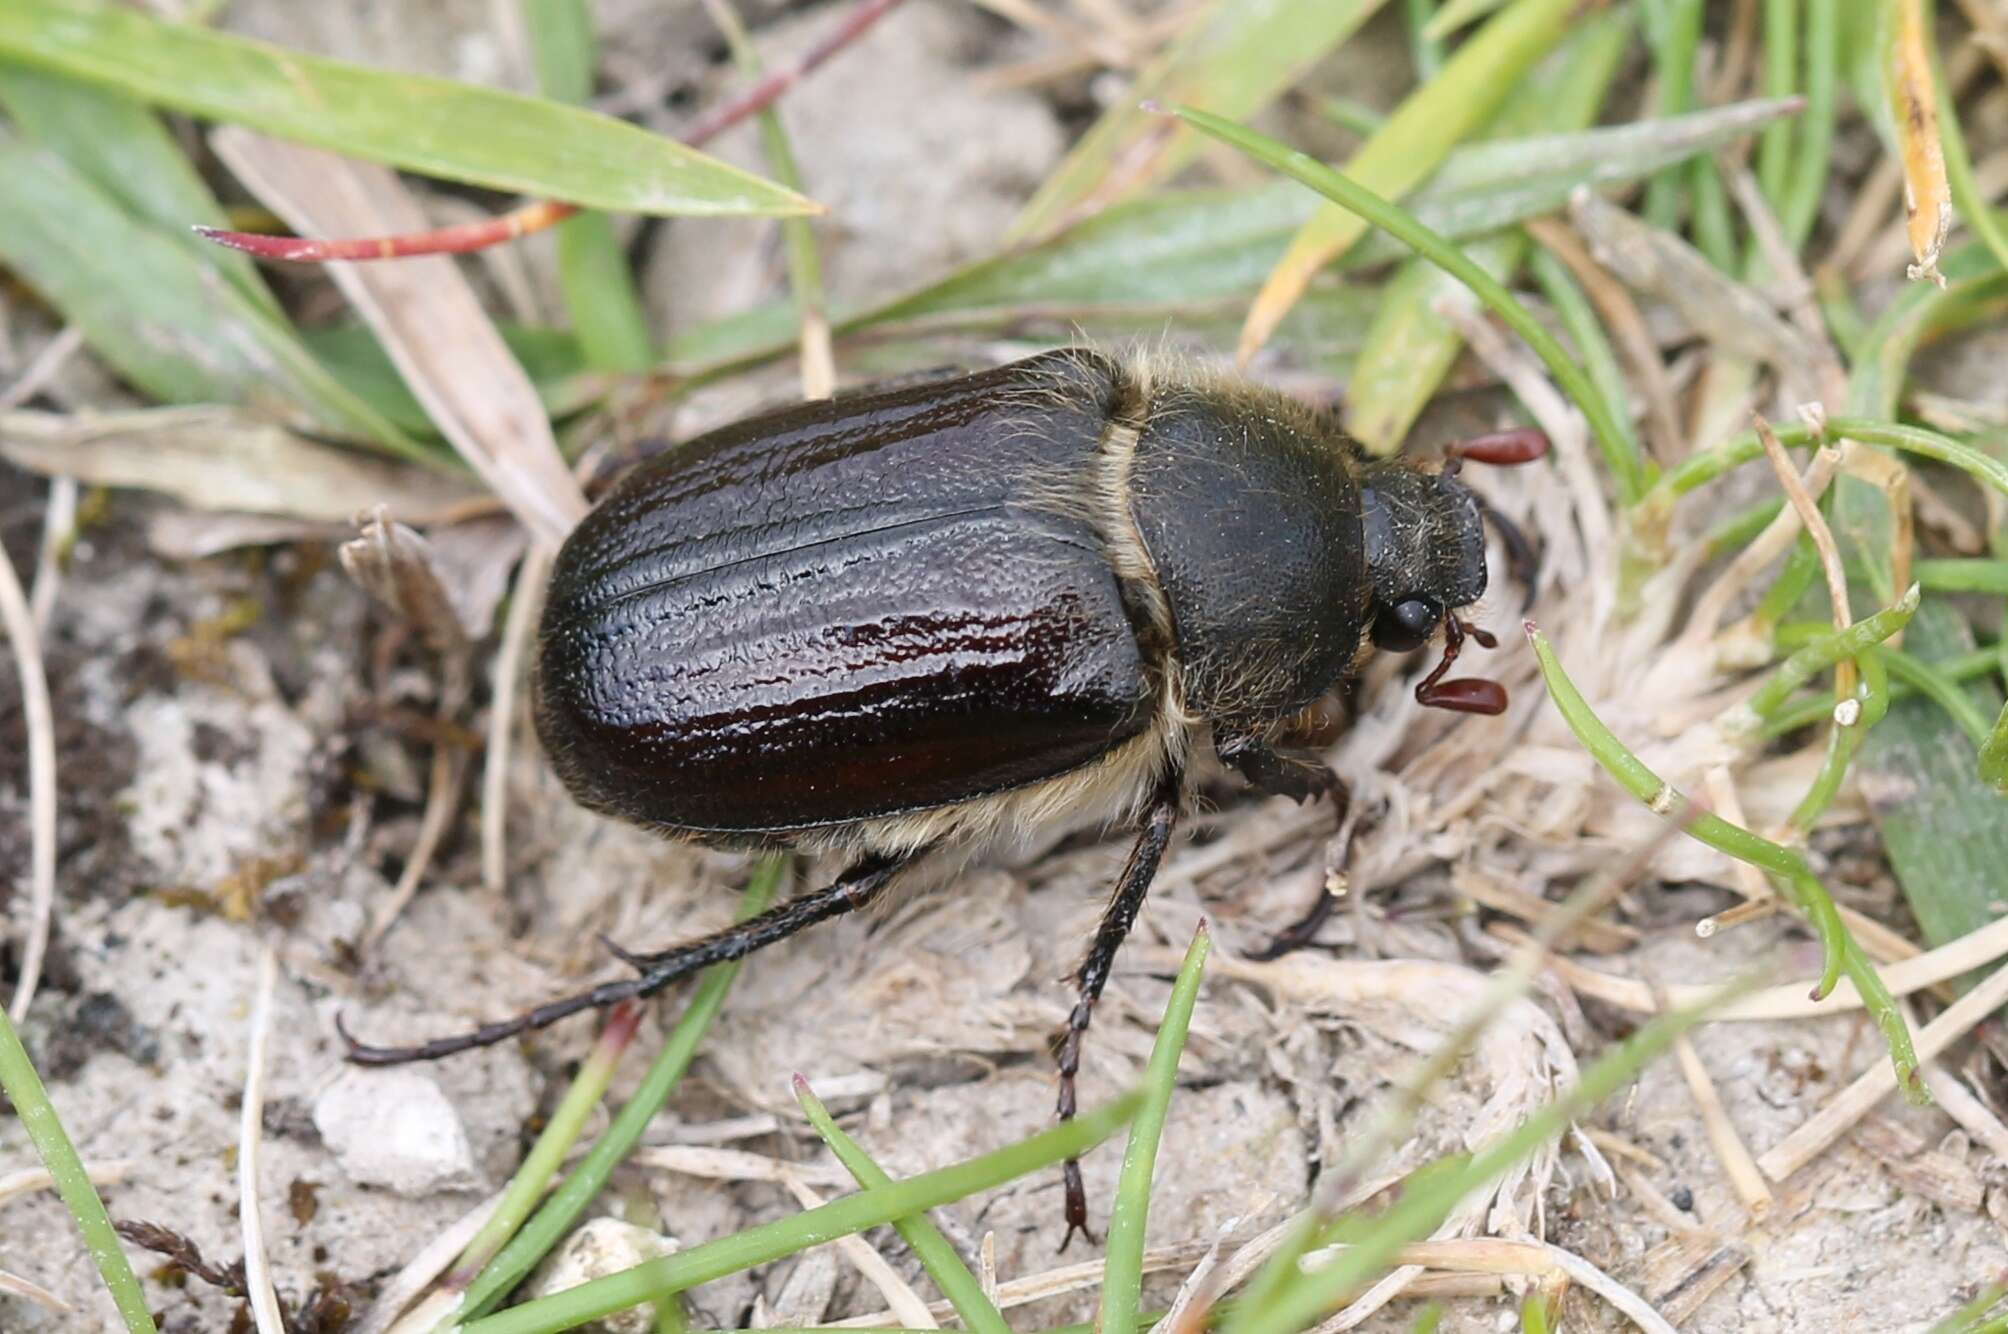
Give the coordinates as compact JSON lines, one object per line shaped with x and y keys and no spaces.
{"x":949,"y":612}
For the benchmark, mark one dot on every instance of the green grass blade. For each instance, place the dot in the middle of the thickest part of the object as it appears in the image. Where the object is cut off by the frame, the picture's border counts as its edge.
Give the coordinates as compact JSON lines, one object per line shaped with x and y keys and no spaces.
{"x":593,"y":274}
{"x":1412,"y":144}
{"x":560,"y":1132}
{"x":1994,"y":755}
{"x":1122,"y":1277}
{"x":1674,"y":37}
{"x":1236,"y":60}
{"x":1176,"y":251}
{"x":435,"y":127}
{"x":1786,"y":868}
{"x":1412,"y":345}
{"x":37,"y":1114}
{"x":579,"y":1189}
{"x":124,"y":149}
{"x":160,"y":316}
{"x":934,"y":1251}
{"x":1814,"y":132}
{"x":1301,"y":1299}
{"x":1781,"y":79}
{"x":839,"y":1218}
{"x":805,"y":262}
{"x":1388,"y":218}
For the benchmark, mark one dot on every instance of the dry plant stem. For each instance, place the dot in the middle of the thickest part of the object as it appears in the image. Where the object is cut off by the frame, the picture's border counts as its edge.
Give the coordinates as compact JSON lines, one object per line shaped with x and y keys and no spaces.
{"x":1627,"y":326}
{"x":442,"y":797}
{"x":714,"y":1164}
{"x":32,"y":1179}
{"x":59,"y":522}
{"x":547,"y":213}
{"x":1972,"y":1116}
{"x":250,"y":1133}
{"x":1788,"y":1000}
{"x":507,"y":671}
{"x":1799,"y":294}
{"x":1873,"y":1084}
{"x":905,"y":1304}
{"x":1737,"y":1163}
{"x":37,"y":374}
{"x":40,"y":719}
{"x":1845,"y":673}
{"x":13,"y":1285}
{"x":1990,"y":33}
{"x":418,"y":1274}
{"x":1047,"y":1283}
{"x":1722,"y":795}
{"x":428,"y":318}
{"x":1767,"y":547}
{"x":1874,"y":199}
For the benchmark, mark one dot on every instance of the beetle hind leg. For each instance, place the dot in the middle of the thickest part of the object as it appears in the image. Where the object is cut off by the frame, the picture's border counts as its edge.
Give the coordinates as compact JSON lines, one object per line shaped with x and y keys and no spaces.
{"x":857,"y":887}
{"x":1281,"y":774}
{"x":1093,"y":975}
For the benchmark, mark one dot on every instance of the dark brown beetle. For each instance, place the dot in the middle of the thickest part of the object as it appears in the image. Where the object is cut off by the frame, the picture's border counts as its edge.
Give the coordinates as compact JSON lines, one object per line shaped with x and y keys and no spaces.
{"x":949,"y":612}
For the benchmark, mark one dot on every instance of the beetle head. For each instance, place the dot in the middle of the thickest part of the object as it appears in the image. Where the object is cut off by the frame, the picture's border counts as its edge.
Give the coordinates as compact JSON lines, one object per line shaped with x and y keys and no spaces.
{"x":1425,"y":551}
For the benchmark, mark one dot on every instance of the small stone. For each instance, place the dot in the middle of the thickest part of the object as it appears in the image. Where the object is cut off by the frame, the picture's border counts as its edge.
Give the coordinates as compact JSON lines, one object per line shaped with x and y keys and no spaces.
{"x":396,"y":1129}
{"x":604,"y":1246}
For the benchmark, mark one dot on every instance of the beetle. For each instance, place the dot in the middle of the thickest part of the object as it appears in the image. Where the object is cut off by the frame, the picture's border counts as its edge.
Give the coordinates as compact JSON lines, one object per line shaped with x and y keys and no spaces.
{"x":940,"y":614}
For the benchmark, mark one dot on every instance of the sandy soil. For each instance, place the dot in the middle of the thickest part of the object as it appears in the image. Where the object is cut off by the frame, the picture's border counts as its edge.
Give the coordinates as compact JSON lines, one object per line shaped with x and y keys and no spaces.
{"x":239,"y":768}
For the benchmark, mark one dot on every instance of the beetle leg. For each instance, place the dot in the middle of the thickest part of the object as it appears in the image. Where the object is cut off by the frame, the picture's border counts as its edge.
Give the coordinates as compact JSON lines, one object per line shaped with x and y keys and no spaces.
{"x":854,"y":889}
{"x":1117,"y":919}
{"x":1282,"y":774}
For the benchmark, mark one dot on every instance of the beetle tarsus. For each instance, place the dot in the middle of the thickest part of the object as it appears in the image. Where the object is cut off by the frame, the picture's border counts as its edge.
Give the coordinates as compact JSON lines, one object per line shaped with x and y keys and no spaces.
{"x":854,"y":889}
{"x":1093,"y":975}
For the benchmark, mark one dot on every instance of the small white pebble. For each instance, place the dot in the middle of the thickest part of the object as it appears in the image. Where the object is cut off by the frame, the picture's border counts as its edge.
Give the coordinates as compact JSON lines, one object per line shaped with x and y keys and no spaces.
{"x":1848,"y":712}
{"x":395,"y":1128}
{"x":604,"y":1246}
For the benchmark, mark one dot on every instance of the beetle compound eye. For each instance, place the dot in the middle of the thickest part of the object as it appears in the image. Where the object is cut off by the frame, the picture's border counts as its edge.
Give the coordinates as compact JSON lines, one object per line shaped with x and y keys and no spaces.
{"x":1407,"y":625}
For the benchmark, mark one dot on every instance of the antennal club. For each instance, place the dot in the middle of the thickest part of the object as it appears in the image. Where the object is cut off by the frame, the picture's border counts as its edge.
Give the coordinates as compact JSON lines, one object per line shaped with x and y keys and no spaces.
{"x":1466,"y":694}
{"x":1522,"y":444}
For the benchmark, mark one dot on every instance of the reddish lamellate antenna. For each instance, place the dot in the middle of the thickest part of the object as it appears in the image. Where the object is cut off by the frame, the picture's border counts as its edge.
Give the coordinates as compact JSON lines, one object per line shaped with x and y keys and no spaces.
{"x":469,"y":237}
{"x":1522,"y":444}
{"x":1466,"y":694}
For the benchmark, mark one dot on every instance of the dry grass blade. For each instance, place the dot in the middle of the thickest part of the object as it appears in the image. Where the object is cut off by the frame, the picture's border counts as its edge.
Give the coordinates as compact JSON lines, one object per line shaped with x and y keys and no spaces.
{"x":33,"y":1179}
{"x":507,"y":668}
{"x":428,"y":318}
{"x":1723,"y":311}
{"x":1788,"y":1000}
{"x":250,"y":1134}
{"x":40,"y":718}
{"x":1737,"y":1163}
{"x":900,"y":1297}
{"x":13,"y":1285}
{"x":1823,"y":542}
{"x":220,"y":458}
{"x":1621,"y":315}
{"x":1878,"y":1081}
{"x":1927,"y":194}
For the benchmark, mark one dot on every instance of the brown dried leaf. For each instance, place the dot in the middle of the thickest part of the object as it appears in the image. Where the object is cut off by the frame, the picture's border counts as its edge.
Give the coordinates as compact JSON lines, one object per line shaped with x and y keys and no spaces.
{"x":218,"y":458}
{"x":427,"y":317}
{"x":1927,"y":195}
{"x":396,"y":565}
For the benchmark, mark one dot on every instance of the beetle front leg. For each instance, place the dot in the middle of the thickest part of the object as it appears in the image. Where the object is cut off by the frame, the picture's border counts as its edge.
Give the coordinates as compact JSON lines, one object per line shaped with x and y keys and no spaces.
{"x":1281,"y":774}
{"x":1117,"y":919}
